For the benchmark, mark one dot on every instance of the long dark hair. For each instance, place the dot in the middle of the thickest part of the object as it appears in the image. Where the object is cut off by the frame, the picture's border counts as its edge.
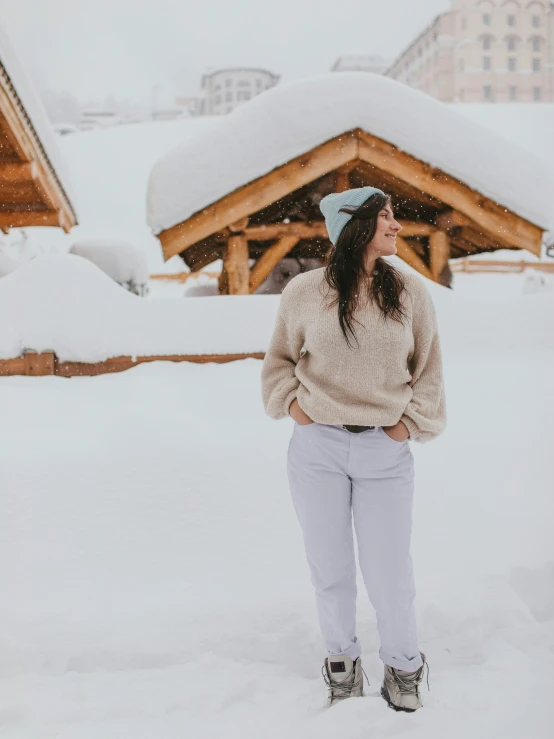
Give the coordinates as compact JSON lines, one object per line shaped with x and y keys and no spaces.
{"x":345,"y":267}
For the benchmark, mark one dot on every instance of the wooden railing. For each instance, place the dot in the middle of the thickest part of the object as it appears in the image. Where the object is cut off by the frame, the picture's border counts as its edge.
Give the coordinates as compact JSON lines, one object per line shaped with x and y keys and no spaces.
{"x":482,"y":265}
{"x":459,"y":265}
{"x":182,"y":276}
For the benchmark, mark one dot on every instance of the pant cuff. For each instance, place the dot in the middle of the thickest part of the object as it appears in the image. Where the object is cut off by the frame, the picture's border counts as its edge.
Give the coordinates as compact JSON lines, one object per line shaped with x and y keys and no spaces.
{"x":354,"y":651}
{"x":411,"y":665}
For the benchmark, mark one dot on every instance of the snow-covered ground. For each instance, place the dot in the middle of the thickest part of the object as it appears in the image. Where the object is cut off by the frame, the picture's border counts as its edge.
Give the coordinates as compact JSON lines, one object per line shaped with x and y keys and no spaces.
{"x":153,"y":578}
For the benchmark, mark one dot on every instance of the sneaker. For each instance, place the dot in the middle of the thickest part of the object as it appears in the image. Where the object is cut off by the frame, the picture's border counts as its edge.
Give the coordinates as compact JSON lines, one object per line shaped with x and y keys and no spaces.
{"x":344,"y":677}
{"x":401,"y":688}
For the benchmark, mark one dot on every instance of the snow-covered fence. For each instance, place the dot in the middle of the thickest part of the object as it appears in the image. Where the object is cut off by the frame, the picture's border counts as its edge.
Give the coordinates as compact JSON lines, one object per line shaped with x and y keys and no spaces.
{"x":68,"y":318}
{"x":34,"y":364}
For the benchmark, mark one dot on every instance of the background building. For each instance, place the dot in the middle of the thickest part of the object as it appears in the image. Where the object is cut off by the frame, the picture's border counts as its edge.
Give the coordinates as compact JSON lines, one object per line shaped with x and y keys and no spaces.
{"x":501,"y":51}
{"x":227,"y":88}
{"x":360,"y":63}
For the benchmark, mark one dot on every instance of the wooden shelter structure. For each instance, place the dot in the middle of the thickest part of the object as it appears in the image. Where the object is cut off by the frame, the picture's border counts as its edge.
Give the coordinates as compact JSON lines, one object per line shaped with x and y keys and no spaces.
{"x":31,"y":189}
{"x":448,"y":178}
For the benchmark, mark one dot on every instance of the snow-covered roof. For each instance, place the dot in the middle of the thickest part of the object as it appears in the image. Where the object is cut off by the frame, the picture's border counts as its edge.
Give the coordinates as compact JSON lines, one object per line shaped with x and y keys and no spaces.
{"x":291,"y":119}
{"x":32,"y":107}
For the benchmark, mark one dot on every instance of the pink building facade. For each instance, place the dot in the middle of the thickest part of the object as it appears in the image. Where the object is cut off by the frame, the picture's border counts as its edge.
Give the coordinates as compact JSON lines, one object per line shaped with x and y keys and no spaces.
{"x":484,"y":50}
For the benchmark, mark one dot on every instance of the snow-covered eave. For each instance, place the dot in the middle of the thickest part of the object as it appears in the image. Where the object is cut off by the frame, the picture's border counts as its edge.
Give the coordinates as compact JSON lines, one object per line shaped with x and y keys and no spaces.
{"x":35,"y":127}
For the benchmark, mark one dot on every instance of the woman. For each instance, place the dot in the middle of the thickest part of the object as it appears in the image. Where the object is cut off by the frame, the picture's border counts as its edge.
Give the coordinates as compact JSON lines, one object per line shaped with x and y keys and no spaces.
{"x":356,"y":407}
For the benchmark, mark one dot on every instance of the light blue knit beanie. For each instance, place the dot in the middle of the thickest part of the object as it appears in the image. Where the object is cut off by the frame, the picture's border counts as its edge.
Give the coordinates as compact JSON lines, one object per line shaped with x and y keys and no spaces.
{"x":331,"y":205}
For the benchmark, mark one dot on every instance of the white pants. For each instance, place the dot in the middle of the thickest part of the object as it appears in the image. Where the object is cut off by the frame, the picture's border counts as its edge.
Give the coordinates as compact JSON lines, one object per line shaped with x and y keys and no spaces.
{"x":335,"y":475}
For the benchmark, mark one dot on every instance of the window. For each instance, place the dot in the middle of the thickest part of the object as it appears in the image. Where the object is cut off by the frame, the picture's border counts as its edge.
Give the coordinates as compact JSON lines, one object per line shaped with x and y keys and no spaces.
{"x":217,"y":87}
{"x":258,"y":83}
{"x":464,"y":24}
{"x":487,"y":43}
{"x":536,"y":93}
{"x":511,"y":20}
{"x":487,"y":92}
{"x":243,"y":83}
{"x":461,"y":65}
{"x":244,"y":95}
{"x":511,"y":43}
{"x":536,"y":65}
{"x":228,"y":97}
{"x":228,"y":109}
{"x":536,"y":21}
{"x":512,"y":92}
{"x":217,"y":99}
{"x":228,"y":83}
{"x":512,"y":63}
{"x":487,"y":62}
{"x":487,"y":19}
{"x":536,"y":43}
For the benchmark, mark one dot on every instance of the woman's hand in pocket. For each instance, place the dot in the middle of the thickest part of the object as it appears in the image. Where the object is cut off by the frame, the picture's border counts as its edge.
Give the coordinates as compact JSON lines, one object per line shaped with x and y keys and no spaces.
{"x":298,"y":415}
{"x":398,"y":432}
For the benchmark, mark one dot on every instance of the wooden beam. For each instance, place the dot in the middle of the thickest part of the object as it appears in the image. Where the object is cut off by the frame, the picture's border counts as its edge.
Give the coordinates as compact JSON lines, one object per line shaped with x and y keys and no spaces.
{"x":235,"y":261}
{"x":439,"y":247}
{"x":314,"y":230}
{"x":29,"y":218}
{"x":411,"y":228}
{"x":239,"y":225}
{"x":451,"y":219}
{"x":14,"y":172}
{"x":269,"y":260}
{"x":260,"y":193}
{"x":489,"y":215}
{"x":406,"y":253}
{"x":479,"y":239}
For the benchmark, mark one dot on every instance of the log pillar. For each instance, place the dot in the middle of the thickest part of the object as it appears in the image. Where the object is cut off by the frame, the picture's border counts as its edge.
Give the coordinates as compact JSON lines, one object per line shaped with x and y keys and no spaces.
{"x":235,"y":262}
{"x":439,"y":249}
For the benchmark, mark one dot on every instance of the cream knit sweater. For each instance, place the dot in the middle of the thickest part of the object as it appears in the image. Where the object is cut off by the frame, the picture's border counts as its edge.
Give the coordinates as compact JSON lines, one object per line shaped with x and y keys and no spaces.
{"x":393,"y":373}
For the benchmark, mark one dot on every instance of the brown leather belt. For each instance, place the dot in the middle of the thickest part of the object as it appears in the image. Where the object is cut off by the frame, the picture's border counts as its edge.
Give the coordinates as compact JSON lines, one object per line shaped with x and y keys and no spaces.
{"x":356,"y":429}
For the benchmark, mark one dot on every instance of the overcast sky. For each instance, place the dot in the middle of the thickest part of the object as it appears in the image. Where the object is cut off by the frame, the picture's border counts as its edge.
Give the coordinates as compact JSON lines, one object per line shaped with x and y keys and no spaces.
{"x":95,"y":48}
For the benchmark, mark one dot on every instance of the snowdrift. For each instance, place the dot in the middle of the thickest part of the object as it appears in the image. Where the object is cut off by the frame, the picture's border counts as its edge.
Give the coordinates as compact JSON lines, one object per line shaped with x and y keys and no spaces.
{"x":289,"y":120}
{"x":65,"y":304}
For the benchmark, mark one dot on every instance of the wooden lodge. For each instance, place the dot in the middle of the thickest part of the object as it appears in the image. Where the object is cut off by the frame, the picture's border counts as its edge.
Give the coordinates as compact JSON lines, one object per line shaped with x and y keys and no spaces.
{"x":277,"y":215}
{"x":31,"y":190}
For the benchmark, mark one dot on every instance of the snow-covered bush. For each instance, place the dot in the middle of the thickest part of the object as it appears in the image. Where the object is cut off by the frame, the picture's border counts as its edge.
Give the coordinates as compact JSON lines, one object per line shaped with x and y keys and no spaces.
{"x":122,"y":261}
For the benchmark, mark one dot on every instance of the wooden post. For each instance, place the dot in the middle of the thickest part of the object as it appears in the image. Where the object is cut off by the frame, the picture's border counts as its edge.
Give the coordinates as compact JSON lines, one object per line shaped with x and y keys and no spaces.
{"x":38,"y":365}
{"x":235,"y":261}
{"x":439,"y":247}
{"x":223,"y":281}
{"x":269,"y":260}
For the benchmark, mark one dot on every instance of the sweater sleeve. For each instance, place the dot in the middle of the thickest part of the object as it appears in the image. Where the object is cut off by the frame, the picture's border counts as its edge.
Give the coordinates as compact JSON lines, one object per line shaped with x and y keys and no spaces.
{"x":425,"y":414}
{"x":279,"y":381}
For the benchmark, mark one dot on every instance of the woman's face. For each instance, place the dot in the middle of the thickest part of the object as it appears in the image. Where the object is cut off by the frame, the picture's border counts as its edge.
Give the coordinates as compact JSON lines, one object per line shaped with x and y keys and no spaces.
{"x":383,"y":244}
